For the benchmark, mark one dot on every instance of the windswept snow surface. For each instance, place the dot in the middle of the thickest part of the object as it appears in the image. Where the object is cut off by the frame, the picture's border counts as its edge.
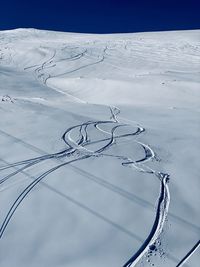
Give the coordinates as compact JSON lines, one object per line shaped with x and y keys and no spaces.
{"x":99,"y":158}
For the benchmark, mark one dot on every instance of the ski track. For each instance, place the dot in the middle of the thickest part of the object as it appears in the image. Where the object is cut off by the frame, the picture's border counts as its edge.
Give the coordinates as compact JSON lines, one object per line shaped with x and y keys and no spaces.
{"x":77,"y":150}
{"x":189,"y":254}
{"x":58,"y":157}
{"x":161,"y":213}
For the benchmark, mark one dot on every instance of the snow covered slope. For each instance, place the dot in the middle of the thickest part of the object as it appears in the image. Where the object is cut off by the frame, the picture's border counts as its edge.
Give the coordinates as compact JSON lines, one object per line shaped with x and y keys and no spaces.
{"x":99,"y":158}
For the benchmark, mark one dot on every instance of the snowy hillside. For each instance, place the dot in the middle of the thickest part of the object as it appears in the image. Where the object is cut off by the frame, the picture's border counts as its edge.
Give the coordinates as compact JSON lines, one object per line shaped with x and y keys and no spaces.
{"x":99,"y":158}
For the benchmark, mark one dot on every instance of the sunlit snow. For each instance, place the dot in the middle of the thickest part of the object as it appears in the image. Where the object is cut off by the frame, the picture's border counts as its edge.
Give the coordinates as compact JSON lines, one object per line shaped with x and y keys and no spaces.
{"x":99,"y":158}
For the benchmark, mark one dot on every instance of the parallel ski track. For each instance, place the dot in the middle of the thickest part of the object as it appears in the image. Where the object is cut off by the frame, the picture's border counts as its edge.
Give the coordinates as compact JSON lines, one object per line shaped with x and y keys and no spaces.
{"x":72,"y":147}
{"x":80,"y":146}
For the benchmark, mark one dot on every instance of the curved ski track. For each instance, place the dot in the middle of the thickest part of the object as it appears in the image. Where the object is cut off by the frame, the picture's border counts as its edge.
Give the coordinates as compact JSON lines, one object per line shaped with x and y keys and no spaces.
{"x":76,"y":150}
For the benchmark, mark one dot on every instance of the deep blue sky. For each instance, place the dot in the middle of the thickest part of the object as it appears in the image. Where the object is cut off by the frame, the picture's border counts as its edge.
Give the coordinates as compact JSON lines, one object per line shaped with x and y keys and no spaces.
{"x":100,"y":16}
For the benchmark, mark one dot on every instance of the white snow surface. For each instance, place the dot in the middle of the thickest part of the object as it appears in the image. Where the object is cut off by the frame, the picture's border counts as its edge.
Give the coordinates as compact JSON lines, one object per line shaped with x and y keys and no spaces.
{"x":97,"y":211}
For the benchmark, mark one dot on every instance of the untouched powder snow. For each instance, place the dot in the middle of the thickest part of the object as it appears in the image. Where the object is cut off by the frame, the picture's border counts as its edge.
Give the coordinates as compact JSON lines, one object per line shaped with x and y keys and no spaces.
{"x":99,"y":158}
